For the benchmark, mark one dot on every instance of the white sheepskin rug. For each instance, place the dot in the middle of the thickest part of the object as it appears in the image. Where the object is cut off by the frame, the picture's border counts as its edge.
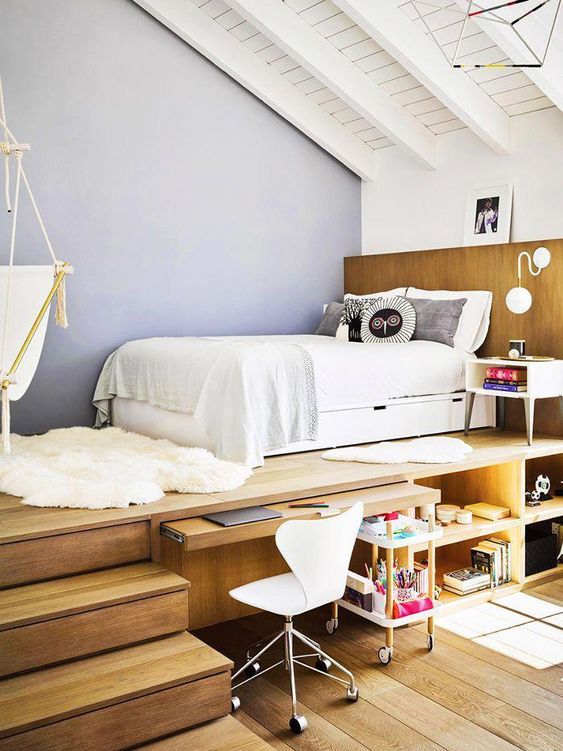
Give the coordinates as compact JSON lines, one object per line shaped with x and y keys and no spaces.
{"x":432,"y":450}
{"x":109,"y":468}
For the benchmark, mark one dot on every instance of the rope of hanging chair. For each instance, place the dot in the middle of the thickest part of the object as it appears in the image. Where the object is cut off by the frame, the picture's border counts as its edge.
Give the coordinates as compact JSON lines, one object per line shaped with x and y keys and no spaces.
{"x":5,"y":148}
{"x":3,"y":373}
{"x":5,"y":421}
{"x":11,"y":264}
{"x":8,"y":149}
{"x":60,"y":310}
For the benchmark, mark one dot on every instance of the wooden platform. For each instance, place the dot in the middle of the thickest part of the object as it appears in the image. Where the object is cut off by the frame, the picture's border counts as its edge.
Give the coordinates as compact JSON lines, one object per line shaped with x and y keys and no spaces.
{"x":80,"y":593}
{"x":282,"y":478}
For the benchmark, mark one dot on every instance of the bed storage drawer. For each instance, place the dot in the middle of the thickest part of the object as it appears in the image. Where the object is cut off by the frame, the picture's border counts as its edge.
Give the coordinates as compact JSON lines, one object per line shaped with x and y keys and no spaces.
{"x":424,"y":415}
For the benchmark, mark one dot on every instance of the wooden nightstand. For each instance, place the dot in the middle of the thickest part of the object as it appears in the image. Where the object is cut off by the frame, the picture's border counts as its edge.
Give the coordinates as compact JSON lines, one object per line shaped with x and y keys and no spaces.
{"x":544,"y":380}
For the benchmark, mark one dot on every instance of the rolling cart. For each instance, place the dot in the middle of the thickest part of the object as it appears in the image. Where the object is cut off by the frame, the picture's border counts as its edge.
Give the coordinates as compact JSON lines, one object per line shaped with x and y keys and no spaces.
{"x":390,"y":541}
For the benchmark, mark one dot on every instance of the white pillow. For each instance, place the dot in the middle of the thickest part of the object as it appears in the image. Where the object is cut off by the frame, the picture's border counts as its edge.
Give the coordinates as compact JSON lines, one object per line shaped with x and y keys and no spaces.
{"x":342,"y":331}
{"x":475,"y":316}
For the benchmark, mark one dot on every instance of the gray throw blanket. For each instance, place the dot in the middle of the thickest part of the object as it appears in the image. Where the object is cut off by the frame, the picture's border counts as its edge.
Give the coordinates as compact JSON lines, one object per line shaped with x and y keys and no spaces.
{"x":251,"y":395}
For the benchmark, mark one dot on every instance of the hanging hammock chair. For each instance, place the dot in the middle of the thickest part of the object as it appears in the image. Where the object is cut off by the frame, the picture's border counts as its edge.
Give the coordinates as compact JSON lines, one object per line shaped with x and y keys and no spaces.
{"x":26,"y":292}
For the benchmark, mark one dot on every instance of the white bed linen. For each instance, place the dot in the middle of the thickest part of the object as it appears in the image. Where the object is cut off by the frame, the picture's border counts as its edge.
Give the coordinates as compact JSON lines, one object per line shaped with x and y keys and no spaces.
{"x":251,"y":394}
{"x":350,"y":375}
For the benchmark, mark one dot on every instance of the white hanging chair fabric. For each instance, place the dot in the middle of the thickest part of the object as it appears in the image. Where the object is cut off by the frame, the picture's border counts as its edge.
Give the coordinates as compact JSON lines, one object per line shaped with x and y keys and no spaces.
{"x":30,"y":286}
{"x":25,"y":291}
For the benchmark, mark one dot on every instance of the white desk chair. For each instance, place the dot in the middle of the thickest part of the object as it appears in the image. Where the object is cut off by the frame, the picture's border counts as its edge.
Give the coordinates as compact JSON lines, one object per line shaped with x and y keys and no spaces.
{"x":318,"y":553}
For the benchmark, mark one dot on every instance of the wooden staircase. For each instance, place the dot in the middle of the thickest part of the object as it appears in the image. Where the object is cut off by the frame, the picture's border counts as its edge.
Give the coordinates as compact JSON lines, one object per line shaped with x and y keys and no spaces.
{"x":101,"y":660}
{"x":226,"y":734}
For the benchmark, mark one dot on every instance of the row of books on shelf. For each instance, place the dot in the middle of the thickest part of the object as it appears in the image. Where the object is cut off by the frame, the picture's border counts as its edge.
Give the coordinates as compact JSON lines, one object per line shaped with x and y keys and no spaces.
{"x":506,"y":379}
{"x":490,"y":567}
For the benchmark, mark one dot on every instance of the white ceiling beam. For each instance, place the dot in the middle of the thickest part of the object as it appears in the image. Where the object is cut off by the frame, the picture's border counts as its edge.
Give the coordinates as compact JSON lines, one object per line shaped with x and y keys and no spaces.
{"x":299,"y":40}
{"x":548,"y":78}
{"x":393,"y":31}
{"x":206,"y":36}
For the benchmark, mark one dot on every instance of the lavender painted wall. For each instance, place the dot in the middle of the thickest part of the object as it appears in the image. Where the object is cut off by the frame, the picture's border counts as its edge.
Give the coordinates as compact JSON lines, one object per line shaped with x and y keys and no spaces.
{"x":186,"y":205}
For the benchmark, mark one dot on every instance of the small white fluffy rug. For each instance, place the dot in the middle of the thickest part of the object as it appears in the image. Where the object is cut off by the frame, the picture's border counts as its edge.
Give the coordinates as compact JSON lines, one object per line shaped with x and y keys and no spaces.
{"x":432,"y":450}
{"x":109,"y":468}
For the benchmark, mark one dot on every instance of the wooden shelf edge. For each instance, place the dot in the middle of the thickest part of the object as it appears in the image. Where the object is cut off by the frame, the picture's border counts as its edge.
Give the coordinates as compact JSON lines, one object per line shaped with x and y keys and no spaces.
{"x":548,"y":510}
{"x":551,"y":572}
{"x":455,"y":602}
{"x":461,"y":532}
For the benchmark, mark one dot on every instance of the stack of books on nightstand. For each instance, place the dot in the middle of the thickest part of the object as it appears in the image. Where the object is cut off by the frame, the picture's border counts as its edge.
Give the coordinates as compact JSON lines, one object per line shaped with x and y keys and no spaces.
{"x":506,"y":379}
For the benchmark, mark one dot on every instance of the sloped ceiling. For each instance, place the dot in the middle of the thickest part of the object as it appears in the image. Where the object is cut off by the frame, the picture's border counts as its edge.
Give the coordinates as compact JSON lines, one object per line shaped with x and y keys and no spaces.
{"x":354,"y":85}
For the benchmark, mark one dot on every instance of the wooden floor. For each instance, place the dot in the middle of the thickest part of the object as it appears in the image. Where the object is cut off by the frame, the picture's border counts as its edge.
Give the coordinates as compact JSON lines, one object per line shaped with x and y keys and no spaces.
{"x":461,"y":696}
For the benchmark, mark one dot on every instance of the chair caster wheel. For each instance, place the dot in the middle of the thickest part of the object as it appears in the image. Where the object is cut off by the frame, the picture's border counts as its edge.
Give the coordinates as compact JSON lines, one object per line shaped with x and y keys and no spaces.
{"x":298,"y":723}
{"x":430,"y":642}
{"x":331,"y":625}
{"x":385,"y":654}
{"x":323,"y":665}
{"x":353,"y":695}
{"x":252,"y":670}
{"x":235,"y":703}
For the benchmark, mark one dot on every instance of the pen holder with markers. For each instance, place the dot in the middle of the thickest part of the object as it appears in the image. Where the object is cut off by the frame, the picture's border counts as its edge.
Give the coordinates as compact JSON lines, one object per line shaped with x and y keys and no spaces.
{"x":405,"y":586}
{"x":404,"y":594}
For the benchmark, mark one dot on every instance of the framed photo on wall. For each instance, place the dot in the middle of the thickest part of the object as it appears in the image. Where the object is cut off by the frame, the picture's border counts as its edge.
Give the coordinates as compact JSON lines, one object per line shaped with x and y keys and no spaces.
{"x":487,"y":215}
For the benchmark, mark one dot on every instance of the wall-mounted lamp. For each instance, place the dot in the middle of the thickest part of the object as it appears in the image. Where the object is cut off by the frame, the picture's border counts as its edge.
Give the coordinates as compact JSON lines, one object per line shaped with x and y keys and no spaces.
{"x":519,"y":299}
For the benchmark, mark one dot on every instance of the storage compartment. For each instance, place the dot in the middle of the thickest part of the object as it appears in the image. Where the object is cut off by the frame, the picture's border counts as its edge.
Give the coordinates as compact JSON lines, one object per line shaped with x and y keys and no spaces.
{"x":396,"y":418}
{"x":541,"y":548}
{"x":455,"y":556}
{"x":498,"y":485}
{"x":552,"y":468}
{"x":73,"y":553}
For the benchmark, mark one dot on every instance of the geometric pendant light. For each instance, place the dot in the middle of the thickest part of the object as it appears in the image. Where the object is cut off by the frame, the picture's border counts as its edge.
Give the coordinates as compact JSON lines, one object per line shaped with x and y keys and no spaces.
{"x":514,"y":15}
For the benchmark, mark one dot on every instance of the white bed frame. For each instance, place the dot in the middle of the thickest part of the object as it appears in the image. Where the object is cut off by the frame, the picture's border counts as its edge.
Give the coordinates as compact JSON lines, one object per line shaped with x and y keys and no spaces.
{"x":385,"y":420}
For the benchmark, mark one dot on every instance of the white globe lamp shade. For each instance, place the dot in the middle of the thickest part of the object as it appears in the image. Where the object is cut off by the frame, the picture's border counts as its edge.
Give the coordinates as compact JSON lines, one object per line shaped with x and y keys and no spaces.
{"x":542,"y":257}
{"x":518,"y":300}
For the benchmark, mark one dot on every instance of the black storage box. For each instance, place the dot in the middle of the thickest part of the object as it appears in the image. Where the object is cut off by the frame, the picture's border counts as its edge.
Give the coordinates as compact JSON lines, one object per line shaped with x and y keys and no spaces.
{"x":541,"y":548}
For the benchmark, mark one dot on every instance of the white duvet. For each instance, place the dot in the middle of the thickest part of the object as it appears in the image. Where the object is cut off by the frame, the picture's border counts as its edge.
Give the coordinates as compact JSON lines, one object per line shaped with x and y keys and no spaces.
{"x":255,"y":394}
{"x":351,"y":374}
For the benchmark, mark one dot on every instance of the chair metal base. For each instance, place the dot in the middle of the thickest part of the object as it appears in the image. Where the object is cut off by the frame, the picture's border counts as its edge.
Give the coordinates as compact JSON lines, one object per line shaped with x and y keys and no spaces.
{"x":323,"y":663}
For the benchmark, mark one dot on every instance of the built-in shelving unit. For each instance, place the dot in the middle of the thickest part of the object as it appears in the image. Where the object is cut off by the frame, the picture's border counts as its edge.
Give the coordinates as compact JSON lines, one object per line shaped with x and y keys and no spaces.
{"x":502,"y":484}
{"x":502,"y":480}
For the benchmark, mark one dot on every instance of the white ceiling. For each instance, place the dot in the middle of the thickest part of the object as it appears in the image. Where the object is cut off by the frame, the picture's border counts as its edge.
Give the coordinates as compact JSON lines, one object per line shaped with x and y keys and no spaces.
{"x":510,"y":90}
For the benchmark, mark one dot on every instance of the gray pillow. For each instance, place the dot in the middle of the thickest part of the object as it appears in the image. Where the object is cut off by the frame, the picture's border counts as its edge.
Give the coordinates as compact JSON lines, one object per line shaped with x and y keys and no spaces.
{"x":437,"y":320}
{"x":331,"y":319}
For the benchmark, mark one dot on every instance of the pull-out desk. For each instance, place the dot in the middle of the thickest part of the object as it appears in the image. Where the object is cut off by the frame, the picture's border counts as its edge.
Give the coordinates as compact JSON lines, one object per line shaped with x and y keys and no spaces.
{"x":216,"y":559}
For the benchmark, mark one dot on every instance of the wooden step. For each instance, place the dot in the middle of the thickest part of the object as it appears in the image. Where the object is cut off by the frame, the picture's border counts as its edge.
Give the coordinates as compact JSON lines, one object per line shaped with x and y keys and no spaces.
{"x":42,"y":624}
{"x":226,"y":734}
{"x":73,"y":553}
{"x":116,"y":700}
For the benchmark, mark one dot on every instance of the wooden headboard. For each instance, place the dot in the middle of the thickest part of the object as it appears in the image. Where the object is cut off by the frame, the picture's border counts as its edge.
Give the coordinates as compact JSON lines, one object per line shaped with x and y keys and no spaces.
{"x":490,"y":267}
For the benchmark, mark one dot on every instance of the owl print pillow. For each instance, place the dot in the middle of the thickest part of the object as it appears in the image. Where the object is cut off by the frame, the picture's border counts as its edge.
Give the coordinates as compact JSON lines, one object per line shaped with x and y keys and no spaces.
{"x":388,"y":320}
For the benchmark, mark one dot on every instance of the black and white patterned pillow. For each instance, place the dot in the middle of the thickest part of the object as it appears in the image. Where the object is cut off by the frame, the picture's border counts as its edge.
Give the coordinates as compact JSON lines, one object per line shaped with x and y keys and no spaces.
{"x":388,"y":320}
{"x":352,"y":316}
